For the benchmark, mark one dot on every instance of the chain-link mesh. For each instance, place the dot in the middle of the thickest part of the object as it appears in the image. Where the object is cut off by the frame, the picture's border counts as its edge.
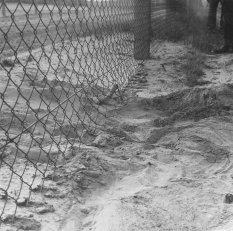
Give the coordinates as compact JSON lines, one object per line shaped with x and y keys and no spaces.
{"x":61,"y":62}
{"x":167,"y":20}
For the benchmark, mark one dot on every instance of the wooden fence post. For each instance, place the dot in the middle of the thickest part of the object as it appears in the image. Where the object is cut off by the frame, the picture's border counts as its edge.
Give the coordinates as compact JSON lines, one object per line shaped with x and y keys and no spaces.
{"x":142,"y":29}
{"x":3,"y":8}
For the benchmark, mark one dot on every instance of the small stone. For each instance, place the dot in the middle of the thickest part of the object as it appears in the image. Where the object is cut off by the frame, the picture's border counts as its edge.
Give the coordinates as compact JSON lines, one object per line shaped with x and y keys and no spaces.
{"x":229,"y":198}
{"x":143,"y":80}
{"x":22,"y":201}
{"x":52,"y":194}
{"x":93,"y":174}
{"x":3,"y":155}
{"x":30,"y":58}
{"x":155,"y":156}
{"x":164,"y":186}
{"x":8,"y":63}
{"x":101,"y":140}
{"x":95,"y":100}
{"x":80,"y":167}
{"x":88,"y":158}
{"x":85,"y":211}
{"x":123,"y":157}
{"x":45,"y":209}
{"x":36,"y":187}
{"x":86,"y":224}
{"x":3,"y":194}
{"x":22,"y":223}
{"x":149,"y":146}
{"x":49,"y":194}
{"x":60,"y":182}
{"x":68,"y":170}
{"x":62,"y":195}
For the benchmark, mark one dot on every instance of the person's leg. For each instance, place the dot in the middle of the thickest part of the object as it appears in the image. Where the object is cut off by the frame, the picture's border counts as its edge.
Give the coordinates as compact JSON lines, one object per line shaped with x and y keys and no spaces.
{"x":226,"y":46}
{"x":222,"y":20}
{"x":228,"y":20}
{"x":227,"y":7}
{"x":231,"y":37}
{"x":227,"y":35}
{"x":227,"y":40}
{"x":212,"y":14}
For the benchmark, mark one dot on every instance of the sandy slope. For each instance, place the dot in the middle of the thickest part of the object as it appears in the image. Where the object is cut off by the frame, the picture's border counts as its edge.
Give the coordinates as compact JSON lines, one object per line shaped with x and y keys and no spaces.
{"x":176,"y":175}
{"x":164,"y":161}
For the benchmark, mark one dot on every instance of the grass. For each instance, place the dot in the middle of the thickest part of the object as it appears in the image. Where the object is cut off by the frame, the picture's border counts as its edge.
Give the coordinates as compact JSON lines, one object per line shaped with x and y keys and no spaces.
{"x":201,"y":38}
{"x":170,"y":29}
{"x":203,"y":42}
{"x":193,"y":68}
{"x":192,"y":30}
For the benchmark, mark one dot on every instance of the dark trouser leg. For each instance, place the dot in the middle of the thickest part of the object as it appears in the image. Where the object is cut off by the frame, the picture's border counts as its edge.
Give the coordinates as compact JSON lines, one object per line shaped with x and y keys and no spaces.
{"x":227,"y":43}
{"x":212,"y":14}
{"x":222,"y":20}
{"x":228,"y":35}
{"x":228,"y":39}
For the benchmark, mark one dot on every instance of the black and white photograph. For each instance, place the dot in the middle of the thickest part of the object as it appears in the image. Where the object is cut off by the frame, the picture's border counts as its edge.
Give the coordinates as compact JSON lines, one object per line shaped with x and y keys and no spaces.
{"x":116,"y":115}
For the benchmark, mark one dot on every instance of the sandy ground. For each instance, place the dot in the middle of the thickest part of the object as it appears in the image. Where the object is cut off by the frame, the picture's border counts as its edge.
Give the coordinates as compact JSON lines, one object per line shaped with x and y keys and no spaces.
{"x":22,"y":30}
{"x":176,"y":173}
{"x":164,"y":161}
{"x":43,"y":92}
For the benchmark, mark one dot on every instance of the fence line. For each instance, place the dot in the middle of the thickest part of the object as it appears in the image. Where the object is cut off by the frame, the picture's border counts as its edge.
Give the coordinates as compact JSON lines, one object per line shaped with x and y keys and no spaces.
{"x":62,"y":65}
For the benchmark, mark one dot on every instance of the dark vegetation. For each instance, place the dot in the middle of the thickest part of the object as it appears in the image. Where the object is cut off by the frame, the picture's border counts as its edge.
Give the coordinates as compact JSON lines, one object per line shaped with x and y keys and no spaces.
{"x":192,"y":30}
{"x":193,"y":68}
{"x":180,"y":25}
{"x":201,"y":38}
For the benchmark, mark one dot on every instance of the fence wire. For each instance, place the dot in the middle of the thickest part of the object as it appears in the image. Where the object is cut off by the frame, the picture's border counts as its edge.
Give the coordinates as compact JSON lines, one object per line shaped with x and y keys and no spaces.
{"x":167,"y":17}
{"x":61,"y":62}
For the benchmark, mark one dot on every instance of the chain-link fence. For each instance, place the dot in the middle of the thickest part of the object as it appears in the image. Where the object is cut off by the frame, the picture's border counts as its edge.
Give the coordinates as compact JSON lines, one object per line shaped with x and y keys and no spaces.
{"x":168,"y":21}
{"x":63,"y":64}
{"x":60,"y":62}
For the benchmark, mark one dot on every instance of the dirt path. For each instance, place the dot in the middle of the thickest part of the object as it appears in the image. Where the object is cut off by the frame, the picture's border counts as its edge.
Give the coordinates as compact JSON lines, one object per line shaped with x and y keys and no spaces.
{"x":176,"y":173}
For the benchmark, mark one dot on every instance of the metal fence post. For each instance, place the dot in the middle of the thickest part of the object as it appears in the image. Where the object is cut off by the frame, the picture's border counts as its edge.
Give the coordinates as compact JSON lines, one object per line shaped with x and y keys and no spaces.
{"x":59,"y":6}
{"x":3,"y":8}
{"x":76,"y":6}
{"x":142,"y":29}
{"x":188,"y":7}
